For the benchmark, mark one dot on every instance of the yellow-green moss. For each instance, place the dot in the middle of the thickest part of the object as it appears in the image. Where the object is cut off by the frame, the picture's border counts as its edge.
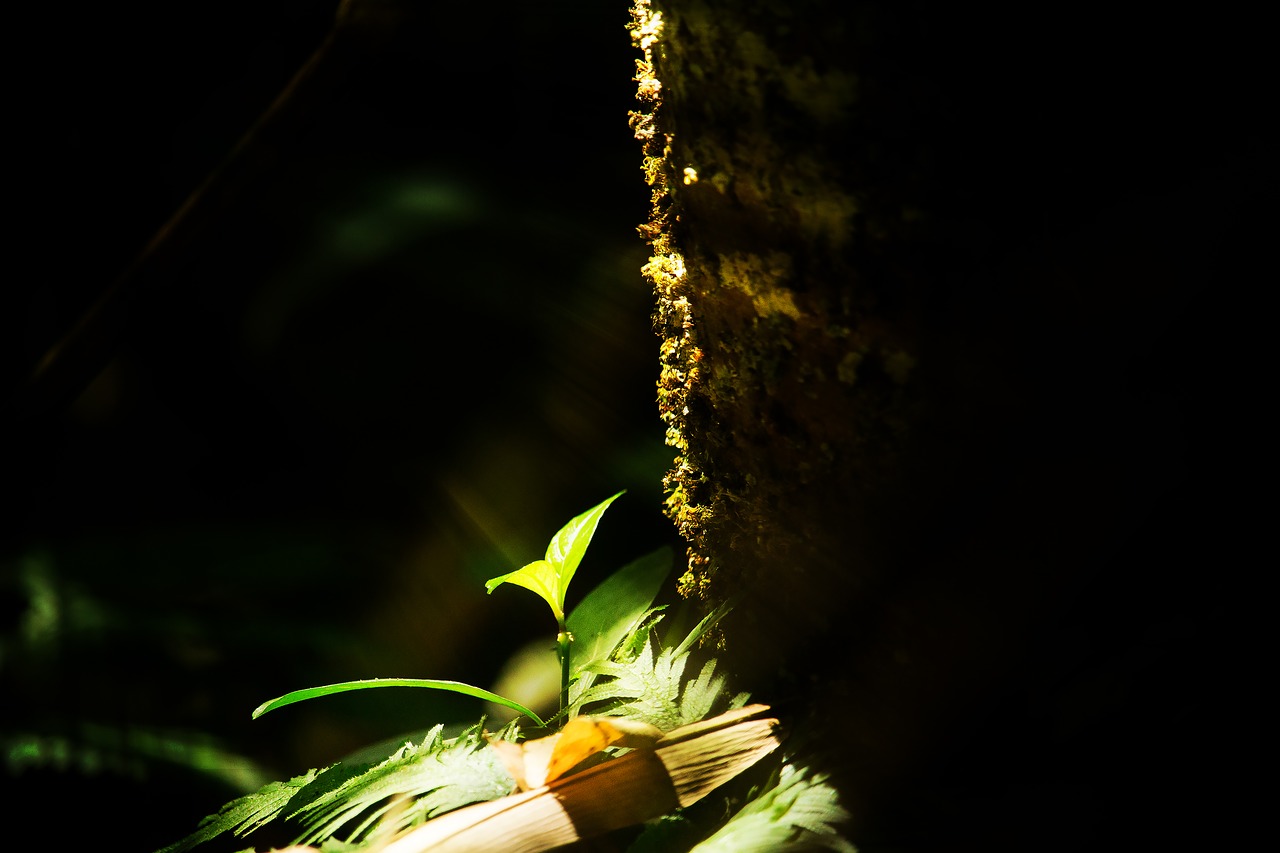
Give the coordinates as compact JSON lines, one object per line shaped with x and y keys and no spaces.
{"x":773,"y":378}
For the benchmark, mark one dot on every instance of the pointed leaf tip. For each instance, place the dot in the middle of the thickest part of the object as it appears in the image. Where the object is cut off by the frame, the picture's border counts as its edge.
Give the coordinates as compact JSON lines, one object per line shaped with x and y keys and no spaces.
{"x":569,"y":544}
{"x":549,"y":578}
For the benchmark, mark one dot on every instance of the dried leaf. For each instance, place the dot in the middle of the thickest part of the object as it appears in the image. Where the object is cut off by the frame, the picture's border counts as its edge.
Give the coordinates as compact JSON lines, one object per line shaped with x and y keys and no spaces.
{"x":681,"y":768}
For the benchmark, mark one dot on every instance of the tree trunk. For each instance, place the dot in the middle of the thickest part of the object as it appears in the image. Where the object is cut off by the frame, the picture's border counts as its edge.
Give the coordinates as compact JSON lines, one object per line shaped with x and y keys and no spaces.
{"x":925,"y":283}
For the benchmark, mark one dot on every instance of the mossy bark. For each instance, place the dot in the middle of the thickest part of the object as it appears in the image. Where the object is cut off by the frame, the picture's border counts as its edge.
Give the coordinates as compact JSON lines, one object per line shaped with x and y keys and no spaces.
{"x":901,"y":330}
{"x":788,"y":349}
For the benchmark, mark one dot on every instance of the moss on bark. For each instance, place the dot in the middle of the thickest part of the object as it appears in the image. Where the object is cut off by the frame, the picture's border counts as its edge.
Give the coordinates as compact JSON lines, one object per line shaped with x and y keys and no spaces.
{"x":788,"y":353}
{"x":922,"y":294}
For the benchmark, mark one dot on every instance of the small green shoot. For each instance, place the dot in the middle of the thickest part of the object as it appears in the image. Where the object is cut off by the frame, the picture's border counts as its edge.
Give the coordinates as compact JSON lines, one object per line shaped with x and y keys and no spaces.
{"x":549,"y":578}
{"x":620,"y":668}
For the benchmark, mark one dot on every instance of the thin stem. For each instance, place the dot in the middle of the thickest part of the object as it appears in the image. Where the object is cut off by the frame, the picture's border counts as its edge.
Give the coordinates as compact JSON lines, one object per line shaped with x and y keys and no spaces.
{"x":563,"y":641}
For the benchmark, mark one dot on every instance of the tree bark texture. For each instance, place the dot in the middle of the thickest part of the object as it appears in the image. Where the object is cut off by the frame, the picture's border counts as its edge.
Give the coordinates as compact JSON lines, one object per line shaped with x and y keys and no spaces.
{"x":926,"y":283}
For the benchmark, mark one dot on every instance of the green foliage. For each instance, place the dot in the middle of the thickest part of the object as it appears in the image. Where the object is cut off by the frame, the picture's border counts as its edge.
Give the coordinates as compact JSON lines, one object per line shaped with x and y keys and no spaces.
{"x":364,"y":684}
{"x":614,"y":609}
{"x":645,"y":682}
{"x":550,"y":576}
{"x":794,"y":809}
{"x":130,"y":752}
{"x":623,"y":669}
{"x":798,"y":810}
{"x":346,"y":806}
{"x":243,"y":815}
{"x":414,"y":784}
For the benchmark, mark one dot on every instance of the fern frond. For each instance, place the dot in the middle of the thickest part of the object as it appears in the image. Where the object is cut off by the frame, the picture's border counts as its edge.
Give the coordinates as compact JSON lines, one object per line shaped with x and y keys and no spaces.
{"x":243,"y":815}
{"x":650,"y":686}
{"x":633,"y":644}
{"x":349,"y":806}
{"x":413,"y":785}
{"x":799,"y":811}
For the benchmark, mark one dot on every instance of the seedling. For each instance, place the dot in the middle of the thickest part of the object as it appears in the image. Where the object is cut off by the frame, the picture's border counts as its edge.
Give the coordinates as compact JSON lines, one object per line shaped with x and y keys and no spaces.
{"x":549,"y":578}
{"x":686,"y":734}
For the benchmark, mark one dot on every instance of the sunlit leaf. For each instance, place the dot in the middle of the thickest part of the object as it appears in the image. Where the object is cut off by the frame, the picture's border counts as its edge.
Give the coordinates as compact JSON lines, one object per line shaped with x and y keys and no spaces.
{"x":414,"y":784}
{"x":549,"y":578}
{"x":540,"y":577}
{"x":799,"y":809}
{"x":570,"y":543}
{"x":245,"y":814}
{"x":614,"y":608}
{"x":435,"y":684}
{"x":653,"y":686}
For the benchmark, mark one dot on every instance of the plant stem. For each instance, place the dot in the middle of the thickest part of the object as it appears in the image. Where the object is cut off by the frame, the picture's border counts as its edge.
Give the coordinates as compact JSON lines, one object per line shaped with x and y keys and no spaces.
{"x":563,"y":641}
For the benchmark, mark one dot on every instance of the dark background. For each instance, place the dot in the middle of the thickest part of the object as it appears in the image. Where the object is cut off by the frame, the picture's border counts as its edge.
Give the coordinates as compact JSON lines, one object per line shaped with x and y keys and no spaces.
{"x":405,"y":338}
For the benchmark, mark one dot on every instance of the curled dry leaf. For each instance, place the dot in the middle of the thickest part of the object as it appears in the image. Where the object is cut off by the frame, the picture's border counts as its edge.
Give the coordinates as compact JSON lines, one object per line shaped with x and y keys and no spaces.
{"x":680,"y":768}
{"x":537,"y":762}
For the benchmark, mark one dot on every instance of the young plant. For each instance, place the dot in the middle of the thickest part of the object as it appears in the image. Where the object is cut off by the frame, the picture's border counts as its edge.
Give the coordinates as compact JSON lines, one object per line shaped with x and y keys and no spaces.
{"x":490,"y":789}
{"x":549,"y":578}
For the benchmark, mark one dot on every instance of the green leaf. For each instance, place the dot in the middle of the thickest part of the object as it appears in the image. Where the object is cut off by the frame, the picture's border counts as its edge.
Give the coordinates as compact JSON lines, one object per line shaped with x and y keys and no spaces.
{"x":539,"y":577}
{"x":245,"y":814}
{"x":653,"y":687}
{"x":567,"y":547}
{"x":550,"y":578}
{"x":413,"y":785}
{"x":364,"y":684}
{"x":704,"y":625}
{"x":799,"y":810}
{"x":614,"y":608}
